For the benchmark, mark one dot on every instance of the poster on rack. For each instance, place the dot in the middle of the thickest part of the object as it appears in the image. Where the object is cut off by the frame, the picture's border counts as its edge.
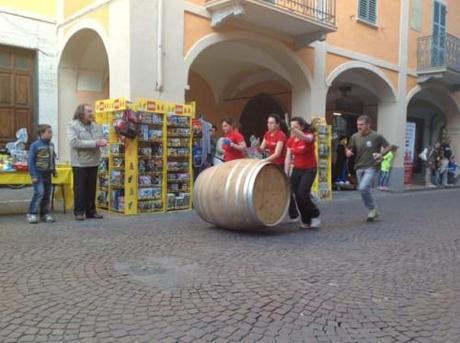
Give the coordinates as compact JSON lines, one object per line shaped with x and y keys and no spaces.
{"x":409,"y":152}
{"x":410,"y":141}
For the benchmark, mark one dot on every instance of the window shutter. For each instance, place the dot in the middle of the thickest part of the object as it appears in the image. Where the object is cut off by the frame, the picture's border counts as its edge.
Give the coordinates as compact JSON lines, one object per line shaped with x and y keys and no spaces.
{"x":367,"y":10}
{"x":363,"y":9}
{"x":372,"y":14}
{"x":416,"y":22}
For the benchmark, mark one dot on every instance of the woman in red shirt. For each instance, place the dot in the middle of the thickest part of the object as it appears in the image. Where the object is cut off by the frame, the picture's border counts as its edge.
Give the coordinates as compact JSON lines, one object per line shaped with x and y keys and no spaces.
{"x":301,"y":154}
{"x":274,"y":141}
{"x":234,"y":145}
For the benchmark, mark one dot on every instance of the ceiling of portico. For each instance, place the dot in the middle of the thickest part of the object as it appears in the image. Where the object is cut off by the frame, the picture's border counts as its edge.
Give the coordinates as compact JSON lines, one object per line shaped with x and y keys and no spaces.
{"x":232,"y":66}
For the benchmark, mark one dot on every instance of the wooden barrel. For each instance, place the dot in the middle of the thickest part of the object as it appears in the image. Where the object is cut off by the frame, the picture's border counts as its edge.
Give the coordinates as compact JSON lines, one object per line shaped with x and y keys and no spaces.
{"x":242,"y":194}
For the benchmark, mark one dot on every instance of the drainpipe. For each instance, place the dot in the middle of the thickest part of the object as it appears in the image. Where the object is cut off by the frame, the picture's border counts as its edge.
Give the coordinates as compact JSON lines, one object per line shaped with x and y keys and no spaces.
{"x":159,"y":84}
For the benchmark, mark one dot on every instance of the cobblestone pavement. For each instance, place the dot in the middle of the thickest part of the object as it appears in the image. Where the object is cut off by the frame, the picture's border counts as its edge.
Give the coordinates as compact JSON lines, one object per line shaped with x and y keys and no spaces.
{"x":173,"y":278}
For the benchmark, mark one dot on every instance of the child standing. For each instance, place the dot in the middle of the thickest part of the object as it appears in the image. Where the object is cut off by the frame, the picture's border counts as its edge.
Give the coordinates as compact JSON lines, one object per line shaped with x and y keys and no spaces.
{"x":386,"y":166}
{"x":42,"y":164}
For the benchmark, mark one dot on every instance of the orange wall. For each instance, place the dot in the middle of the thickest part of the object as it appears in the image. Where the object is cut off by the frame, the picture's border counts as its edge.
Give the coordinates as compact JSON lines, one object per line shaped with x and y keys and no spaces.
{"x":307,"y":55}
{"x":380,"y":42}
{"x":214,"y":112}
{"x":453,"y":17}
{"x":411,"y":83}
{"x":414,"y":35}
{"x":333,"y":61}
{"x":195,"y":28}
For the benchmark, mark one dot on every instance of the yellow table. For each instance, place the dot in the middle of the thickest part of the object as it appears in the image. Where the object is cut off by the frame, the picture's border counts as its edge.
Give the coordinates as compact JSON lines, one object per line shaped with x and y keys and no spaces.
{"x":63,"y":179}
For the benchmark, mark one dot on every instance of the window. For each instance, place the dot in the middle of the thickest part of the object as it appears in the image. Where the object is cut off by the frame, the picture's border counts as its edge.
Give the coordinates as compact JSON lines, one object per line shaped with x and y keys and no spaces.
{"x":416,"y":20}
{"x":367,"y":11}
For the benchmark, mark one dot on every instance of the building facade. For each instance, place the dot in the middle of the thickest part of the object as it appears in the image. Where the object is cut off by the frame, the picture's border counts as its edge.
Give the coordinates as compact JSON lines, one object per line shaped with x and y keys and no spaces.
{"x":397,"y":61}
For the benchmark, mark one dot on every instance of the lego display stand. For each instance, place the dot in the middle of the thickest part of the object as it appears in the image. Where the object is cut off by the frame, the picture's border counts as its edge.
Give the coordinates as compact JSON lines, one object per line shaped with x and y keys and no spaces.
{"x":322,"y":187}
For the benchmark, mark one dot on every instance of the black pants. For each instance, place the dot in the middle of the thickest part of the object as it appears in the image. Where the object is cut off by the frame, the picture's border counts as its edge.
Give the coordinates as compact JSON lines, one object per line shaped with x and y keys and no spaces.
{"x":301,"y":183}
{"x":84,"y":184}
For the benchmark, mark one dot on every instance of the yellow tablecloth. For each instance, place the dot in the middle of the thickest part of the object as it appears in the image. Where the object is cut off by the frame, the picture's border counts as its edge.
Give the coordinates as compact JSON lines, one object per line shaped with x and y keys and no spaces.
{"x":64,"y":177}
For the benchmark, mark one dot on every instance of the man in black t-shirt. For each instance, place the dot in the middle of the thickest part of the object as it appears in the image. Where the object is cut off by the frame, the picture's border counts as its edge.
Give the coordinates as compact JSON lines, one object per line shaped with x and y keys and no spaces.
{"x":368,"y":147}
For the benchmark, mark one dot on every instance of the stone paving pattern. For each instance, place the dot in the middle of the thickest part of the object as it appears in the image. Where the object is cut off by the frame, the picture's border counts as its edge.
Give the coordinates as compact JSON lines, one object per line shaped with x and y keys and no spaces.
{"x":173,"y":278}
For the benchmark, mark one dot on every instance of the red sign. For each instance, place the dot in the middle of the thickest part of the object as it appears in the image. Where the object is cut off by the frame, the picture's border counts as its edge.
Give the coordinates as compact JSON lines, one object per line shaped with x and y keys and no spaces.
{"x":151,"y":106}
{"x":179,"y":109}
{"x":408,"y":169}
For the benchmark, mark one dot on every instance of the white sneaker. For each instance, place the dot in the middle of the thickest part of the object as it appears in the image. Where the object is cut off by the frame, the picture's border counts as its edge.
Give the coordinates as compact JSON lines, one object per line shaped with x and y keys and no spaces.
{"x":315,"y":223}
{"x":47,"y":218}
{"x":32,"y":219}
{"x":290,"y":220}
{"x":305,"y":226}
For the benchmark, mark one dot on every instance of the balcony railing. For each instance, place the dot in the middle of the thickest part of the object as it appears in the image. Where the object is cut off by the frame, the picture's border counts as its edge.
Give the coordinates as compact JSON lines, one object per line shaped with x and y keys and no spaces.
{"x":434,"y":52}
{"x":320,"y":10}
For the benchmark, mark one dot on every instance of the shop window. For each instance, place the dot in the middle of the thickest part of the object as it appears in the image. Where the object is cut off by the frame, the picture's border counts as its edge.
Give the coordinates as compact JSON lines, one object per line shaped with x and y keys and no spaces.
{"x":367,"y":11}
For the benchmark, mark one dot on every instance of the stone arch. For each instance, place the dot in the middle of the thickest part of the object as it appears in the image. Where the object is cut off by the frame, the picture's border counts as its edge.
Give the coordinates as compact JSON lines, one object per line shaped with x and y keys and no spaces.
{"x":83,"y":75}
{"x":82,"y":25}
{"x":378,"y":78}
{"x":433,"y":107}
{"x":265,"y":52}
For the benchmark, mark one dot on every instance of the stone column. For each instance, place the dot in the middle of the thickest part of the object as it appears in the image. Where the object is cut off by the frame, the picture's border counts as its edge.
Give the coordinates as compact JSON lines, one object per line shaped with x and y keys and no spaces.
{"x":134,"y":45}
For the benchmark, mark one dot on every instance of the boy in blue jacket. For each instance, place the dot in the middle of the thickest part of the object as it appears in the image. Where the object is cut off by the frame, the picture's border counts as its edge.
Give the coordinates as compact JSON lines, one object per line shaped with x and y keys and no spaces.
{"x":42,"y":164}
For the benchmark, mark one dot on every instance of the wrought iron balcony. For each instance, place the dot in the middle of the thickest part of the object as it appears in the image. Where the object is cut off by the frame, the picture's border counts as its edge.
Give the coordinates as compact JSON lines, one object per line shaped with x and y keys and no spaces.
{"x":306,"y":20}
{"x":439,"y":57}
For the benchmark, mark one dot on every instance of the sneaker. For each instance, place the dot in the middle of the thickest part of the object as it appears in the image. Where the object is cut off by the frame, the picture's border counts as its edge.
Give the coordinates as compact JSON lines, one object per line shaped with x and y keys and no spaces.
{"x":290,"y":220}
{"x":95,"y":216}
{"x":47,"y":218}
{"x":373,"y":214}
{"x":305,"y":226}
{"x":315,"y":223}
{"x":79,"y":217}
{"x":32,"y":219}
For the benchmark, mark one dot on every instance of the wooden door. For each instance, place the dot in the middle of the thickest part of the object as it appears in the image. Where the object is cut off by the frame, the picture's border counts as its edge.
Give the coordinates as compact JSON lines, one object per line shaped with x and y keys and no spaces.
{"x":17,"y":72}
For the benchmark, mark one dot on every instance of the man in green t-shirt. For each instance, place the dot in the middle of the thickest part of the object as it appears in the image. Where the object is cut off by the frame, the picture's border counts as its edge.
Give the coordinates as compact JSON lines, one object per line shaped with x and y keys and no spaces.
{"x":368,"y":147}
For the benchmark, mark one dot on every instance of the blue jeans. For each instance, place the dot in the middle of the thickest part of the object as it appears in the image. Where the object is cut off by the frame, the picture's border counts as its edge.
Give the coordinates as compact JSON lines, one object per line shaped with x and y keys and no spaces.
{"x":441,"y":178}
{"x":366,"y":179}
{"x":384,"y":178}
{"x":39,"y":204}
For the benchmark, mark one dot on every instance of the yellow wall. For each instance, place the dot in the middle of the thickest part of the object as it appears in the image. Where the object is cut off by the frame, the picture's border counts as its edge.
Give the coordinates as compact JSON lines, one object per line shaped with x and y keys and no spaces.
{"x":73,"y":6}
{"x":101,"y":16}
{"x":41,"y":7}
{"x":381,"y":42}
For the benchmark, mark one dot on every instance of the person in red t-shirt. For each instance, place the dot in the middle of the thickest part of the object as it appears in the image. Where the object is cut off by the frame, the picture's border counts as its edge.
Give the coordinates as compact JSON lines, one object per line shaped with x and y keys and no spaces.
{"x":300,"y":154}
{"x":233,"y":144}
{"x":274,"y":141}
